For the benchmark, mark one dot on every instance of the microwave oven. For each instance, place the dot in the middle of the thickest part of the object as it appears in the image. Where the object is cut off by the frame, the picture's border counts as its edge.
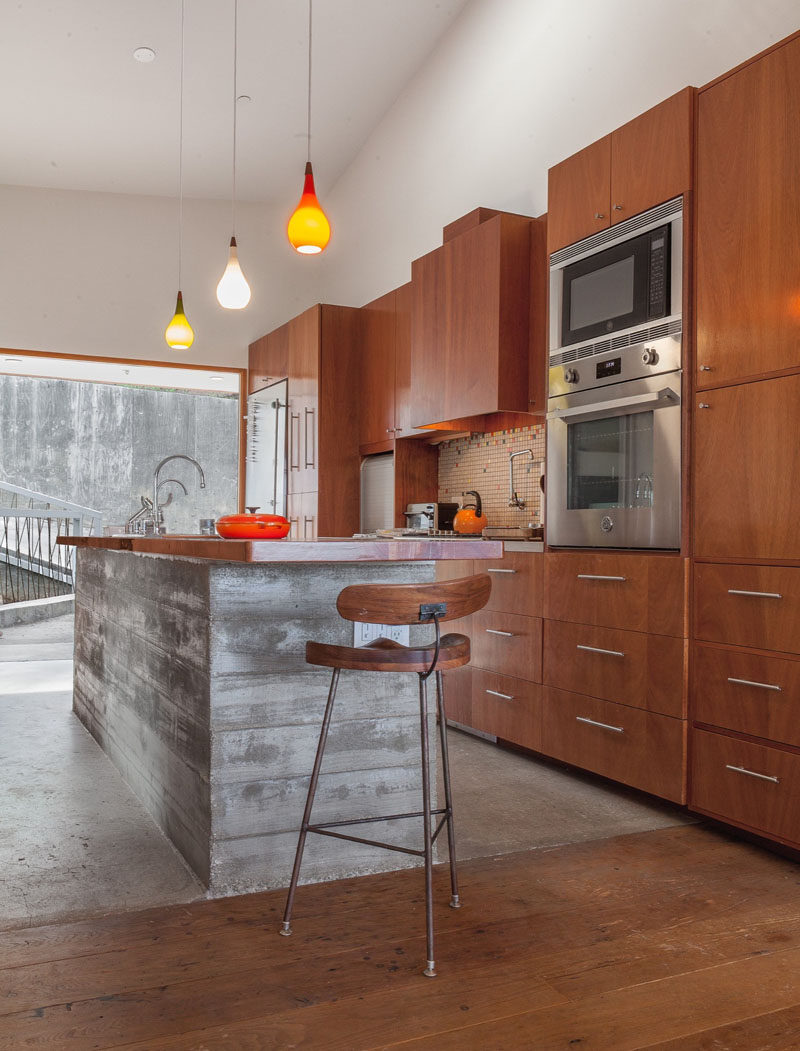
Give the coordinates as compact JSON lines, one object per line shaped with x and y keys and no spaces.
{"x":625,"y":280}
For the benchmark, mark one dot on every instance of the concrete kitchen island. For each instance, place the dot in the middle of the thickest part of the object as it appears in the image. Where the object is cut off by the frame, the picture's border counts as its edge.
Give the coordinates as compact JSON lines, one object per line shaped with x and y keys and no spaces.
{"x":190,"y":673}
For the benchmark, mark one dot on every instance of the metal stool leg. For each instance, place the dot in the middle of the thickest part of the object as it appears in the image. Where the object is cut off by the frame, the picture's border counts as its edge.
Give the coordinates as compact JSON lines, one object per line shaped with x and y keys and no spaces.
{"x":286,"y":929}
{"x":455,"y":902}
{"x":430,"y":970}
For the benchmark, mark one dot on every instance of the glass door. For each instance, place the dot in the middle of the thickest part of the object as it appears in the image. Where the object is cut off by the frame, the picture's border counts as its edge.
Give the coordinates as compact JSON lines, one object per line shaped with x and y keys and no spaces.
{"x":266,"y":449}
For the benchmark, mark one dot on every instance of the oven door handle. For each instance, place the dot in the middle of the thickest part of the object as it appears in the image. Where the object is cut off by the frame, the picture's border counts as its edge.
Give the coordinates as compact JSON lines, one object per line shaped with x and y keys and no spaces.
{"x":661,"y":399}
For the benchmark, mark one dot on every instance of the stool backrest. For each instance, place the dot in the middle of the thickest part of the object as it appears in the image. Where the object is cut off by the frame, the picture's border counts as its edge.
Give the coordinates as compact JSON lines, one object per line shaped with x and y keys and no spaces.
{"x":405,"y":603}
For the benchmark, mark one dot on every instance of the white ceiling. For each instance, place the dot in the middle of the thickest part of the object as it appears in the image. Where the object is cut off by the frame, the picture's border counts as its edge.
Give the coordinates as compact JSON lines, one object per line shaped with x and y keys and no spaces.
{"x":79,"y":113}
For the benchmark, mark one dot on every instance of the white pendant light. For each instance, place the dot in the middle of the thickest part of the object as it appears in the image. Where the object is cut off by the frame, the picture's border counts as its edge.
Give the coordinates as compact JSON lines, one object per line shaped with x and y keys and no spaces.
{"x":179,"y":333}
{"x":233,"y":291}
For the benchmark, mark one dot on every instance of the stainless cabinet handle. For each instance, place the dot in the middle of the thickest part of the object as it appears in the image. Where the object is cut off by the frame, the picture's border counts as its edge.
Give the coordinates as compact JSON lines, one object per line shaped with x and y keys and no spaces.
{"x":706,"y":368}
{"x":294,"y":446}
{"x":596,"y":649}
{"x":703,"y":405}
{"x":755,"y":594}
{"x":760,"y":685}
{"x":398,"y":429}
{"x":603,"y":726}
{"x":505,"y":696}
{"x":505,"y":634}
{"x":617,"y":207}
{"x":752,"y":773}
{"x":599,"y":215}
{"x":501,"y":571}
{"x":597,"y":576}
{"x":312,"y":445}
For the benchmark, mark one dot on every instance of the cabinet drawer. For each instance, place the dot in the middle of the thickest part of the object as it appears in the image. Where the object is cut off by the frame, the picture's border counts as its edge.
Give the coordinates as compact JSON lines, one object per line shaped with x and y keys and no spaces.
{"x":756,"y":606}
{"x":639,"y":592}
{"x":626,"y":744}
{"x":516,"y":582}
{"x":646,"y":671}
{"x":748,"y":784}
{"x":458,"y":695}
{"x":746,"y":692}
{"x":508,"y":644}
{"x":507,"y":707}
{"x":454,"y":568}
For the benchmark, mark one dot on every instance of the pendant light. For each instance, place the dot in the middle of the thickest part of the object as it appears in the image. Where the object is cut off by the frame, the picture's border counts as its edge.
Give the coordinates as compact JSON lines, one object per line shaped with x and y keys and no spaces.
{"x":309,"y":230}
{"x":233,"y":291}
{"x":179,"y":334}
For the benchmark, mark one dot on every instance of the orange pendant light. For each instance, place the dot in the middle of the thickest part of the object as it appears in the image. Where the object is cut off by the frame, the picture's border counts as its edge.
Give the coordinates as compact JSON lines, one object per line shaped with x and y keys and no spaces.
{"x":308,"y":230}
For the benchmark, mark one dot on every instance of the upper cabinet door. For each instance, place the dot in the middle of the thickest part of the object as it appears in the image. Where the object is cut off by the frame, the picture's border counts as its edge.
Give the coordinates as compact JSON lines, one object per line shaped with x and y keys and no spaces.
{"x":402,"y":386}
{"x":428,"y":336}
{"x":748,"y":248}
{"x":377,"y":370}
{"x":651,"y":157}
{"x":579,"y":195}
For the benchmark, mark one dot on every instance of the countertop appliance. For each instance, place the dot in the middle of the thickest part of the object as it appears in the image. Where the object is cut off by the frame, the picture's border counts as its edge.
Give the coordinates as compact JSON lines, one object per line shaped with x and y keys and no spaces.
{"x":433,"y":516}
{"x":614,"y":407}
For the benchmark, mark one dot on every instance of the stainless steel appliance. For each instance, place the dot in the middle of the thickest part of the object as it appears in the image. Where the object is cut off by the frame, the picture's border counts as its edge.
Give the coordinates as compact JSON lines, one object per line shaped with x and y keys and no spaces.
{"x":434,"y":516}
{"x":614,"y":410}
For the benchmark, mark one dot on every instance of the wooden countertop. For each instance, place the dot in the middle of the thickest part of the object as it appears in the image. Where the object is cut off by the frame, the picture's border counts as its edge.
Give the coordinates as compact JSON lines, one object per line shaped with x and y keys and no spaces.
{"x":325,"y":550}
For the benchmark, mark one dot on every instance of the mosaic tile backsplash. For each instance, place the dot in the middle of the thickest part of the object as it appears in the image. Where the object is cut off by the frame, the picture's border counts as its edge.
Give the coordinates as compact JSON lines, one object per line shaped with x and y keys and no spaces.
{"x":480,"y":462}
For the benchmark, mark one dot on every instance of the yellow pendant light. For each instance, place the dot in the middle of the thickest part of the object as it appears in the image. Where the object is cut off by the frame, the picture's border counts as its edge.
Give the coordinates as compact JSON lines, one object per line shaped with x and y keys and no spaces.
{"x":309,"y":230}
{"x":233,"y":291}
{"x":178,"y":333}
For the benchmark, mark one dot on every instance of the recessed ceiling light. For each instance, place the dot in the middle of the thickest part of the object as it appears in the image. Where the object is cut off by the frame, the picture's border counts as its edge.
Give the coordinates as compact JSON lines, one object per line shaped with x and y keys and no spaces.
{"x":13,"y":359}
{"x":217,"y":379}
{"x":144,"y":54}
{"x":244,"y":98}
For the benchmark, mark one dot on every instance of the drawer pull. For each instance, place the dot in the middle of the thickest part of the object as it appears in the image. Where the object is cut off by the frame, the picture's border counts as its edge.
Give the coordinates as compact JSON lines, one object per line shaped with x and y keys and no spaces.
{"x":596,"y":649}
{"x":505,"y":696}
{"x":596,"y":576}
{"x":755,"y":594}
{"x":501,"y":571}
{"x":752,"y":773}
{"x":603,"y":726}
{"x":760,"y":685}
{"x":494,"y":631}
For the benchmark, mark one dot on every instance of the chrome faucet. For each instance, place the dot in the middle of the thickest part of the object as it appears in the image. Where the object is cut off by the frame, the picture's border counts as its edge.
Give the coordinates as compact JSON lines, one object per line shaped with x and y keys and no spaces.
{"x":513,"y":497}
{"x":156,"y":510}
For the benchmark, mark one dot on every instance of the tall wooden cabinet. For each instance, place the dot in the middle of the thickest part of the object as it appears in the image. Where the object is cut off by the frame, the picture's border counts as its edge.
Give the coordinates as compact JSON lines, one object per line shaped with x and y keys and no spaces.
{"x":646,"y":161}
{"x":745,"y":688}
{"x":318,"y":353}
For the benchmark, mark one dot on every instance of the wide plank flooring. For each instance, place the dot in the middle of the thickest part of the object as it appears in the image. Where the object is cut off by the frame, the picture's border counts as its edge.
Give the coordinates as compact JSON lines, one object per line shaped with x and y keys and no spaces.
{"x":675,"y":938}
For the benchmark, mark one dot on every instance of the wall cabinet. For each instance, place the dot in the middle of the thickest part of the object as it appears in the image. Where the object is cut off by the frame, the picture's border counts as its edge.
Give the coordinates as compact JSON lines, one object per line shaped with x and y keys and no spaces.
{"x":318,"y":353}
{"x":748,"y":249}
{"x":646,"y":161}
{"x":470,"y":323}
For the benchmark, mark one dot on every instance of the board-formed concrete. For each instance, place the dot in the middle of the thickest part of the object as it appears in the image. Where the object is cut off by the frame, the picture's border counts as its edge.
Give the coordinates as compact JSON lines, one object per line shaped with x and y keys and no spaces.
{"x":191,"y":674}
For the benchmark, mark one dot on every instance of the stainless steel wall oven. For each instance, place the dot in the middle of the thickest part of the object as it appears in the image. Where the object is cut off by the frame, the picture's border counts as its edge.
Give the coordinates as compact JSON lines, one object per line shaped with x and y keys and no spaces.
{"x":614,"y":408}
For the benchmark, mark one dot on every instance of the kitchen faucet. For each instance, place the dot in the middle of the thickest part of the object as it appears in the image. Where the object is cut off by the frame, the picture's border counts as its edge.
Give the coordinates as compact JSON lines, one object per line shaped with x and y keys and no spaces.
{"x":513,"y":497}
{"x":156,"y":510}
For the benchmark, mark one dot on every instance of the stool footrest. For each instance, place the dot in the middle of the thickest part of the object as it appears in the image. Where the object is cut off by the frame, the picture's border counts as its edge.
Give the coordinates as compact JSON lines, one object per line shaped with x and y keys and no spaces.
{"x":325,"y":830}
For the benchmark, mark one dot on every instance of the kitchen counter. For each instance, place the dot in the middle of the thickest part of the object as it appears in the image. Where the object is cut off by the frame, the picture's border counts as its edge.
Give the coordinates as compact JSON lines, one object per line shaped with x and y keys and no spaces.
{"x":324,"y":550}
{"x":190,"y":673}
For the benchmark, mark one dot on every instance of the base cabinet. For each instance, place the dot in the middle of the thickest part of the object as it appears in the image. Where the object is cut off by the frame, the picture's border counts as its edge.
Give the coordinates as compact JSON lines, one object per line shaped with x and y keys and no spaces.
{"x":754,"y":786}
{"x":627,"y":744}
{"x":507,"y":707}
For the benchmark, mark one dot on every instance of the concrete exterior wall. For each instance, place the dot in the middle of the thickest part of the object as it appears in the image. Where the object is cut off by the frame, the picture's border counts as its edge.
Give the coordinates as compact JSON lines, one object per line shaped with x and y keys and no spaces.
{"x":97,"y":444}
{"x":192,"y":677}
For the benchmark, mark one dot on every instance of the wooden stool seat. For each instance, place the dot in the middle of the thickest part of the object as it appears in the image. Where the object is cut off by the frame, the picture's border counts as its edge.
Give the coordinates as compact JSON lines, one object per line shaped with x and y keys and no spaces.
{"x":431,"y":604}
{"x":386,"y":655}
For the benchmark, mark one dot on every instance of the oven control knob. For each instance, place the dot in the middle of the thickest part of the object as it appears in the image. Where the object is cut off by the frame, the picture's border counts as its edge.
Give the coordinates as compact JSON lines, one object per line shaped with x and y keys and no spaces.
{"x":570,"y":375}
{"x":649,"y":356}
{"x":607,"y":524}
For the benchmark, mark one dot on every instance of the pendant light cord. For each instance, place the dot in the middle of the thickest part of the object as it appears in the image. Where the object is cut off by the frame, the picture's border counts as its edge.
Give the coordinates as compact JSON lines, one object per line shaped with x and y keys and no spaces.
{"x":308,"y":130}
{"x":180,"y":160}
{"x":235,"y":100}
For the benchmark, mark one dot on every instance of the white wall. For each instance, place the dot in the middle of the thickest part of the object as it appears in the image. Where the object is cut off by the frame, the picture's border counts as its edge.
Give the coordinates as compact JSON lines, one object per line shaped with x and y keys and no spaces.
{"x":89,"y":273}
{"x":515,"y":87}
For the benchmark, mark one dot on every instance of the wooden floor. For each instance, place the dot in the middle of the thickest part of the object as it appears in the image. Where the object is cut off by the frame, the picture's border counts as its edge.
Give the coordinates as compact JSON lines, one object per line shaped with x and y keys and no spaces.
{"x":678,"y":938}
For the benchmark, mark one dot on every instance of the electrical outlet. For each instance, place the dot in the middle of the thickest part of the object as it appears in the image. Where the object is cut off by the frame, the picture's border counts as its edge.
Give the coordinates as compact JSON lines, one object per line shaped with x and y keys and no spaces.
{"x":365,"y":633}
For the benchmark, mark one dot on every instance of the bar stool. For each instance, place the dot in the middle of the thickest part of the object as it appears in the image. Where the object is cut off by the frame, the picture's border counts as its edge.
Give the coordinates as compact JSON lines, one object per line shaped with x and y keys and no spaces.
{"x":399,"y":604}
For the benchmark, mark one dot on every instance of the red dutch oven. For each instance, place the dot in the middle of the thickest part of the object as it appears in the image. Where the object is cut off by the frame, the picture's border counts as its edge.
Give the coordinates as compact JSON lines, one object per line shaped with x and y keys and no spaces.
{"x":252,"y":526}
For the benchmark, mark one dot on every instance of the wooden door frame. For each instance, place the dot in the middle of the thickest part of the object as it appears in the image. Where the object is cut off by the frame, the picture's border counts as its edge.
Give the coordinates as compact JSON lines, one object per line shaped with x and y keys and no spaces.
{"x":243,"y":393}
